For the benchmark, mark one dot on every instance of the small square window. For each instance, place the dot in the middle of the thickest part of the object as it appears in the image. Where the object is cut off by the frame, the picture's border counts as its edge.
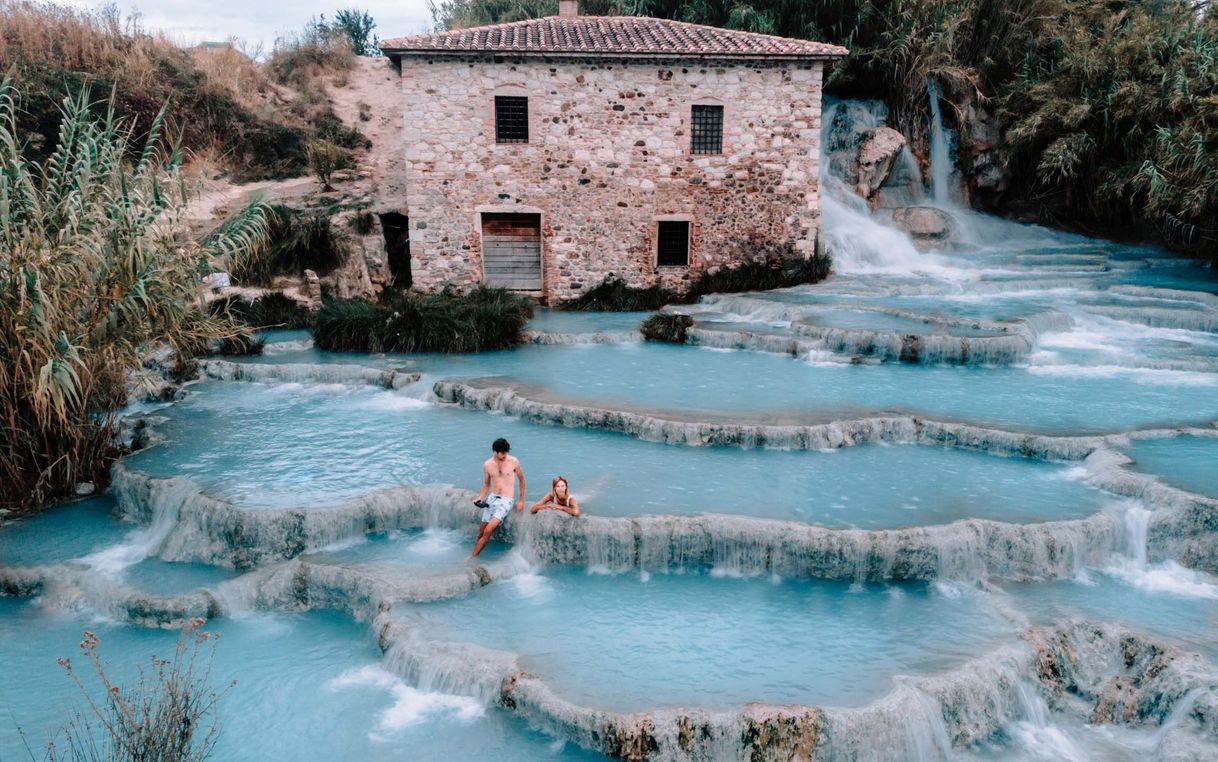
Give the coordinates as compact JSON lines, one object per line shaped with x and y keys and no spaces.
{"x":706,"y":130}
{"x":511,"y":119}
{"x":672,"y":247}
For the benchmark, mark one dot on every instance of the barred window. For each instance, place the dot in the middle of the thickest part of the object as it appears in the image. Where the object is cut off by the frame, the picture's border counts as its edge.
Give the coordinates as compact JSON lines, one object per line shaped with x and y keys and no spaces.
{"x":672,"y":247}
{"x":706,"y":133}
{"x":511,"y":119}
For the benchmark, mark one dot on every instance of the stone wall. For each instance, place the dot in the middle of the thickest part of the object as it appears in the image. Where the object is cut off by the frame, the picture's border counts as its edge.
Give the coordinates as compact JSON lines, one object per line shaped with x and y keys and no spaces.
{"x":608,"y":155}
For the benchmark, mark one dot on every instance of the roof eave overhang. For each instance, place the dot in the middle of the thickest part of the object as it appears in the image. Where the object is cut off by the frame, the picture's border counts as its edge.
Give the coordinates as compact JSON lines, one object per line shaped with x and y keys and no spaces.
{"x":658,"y":56}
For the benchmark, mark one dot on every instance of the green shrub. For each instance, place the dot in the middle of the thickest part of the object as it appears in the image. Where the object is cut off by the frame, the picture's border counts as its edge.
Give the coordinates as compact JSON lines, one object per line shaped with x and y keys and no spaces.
{"x":295,"y":241}
{"x":778,"y":269}
{"x":614,"y":295}
{"x":667,"y":327}
{"x":274,"y":310}
{"x":349,"y":325}
{"x":483,"y":319}
{"x":323,"y":161}
{"x":363,"y":223}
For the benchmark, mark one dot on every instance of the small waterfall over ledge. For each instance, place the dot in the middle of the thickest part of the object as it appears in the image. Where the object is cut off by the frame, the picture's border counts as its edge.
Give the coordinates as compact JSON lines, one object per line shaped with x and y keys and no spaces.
{"x":942,"y":169}
{"x":858,"y":242}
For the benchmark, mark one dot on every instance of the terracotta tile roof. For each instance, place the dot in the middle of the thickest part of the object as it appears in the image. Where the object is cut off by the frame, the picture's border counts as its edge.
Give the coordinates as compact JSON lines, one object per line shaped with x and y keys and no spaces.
{"x":610,"y":36}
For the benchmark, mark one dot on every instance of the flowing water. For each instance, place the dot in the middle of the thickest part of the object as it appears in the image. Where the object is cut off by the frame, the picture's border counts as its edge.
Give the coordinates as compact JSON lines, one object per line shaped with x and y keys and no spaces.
{"x":889,"y":495}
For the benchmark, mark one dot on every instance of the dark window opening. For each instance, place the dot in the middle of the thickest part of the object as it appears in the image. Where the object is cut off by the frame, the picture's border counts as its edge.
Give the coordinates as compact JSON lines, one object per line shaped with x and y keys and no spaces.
{"x":396,"y":229}
{"x":672,"y":249}
{"x":511,"y":119}
{"x":706,"y":130}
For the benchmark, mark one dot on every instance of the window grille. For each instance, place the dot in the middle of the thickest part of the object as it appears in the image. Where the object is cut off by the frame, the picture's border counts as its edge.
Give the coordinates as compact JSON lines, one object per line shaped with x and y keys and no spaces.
{"x":672,"y":249}
{"x":706,"y":133}
{"x":511,"y":119}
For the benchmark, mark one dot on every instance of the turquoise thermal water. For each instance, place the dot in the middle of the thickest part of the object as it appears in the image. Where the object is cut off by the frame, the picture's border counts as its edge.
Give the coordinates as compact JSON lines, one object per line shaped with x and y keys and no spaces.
{"x":85,"y":535}
{"x":1065,"y":399}
{"x":1108,"y":353}
{"x":422,"y":550}
{"x":1190,"y":463}
{"x":628,"y":643}
{"x":557,"y":321}
{"x":317,"y":444}
{"x":315,"y":679}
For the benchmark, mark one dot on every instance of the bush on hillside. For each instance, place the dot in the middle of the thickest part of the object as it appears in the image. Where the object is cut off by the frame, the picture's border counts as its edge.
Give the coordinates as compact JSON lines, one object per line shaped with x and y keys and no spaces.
{"x":303,"y":59}
{"x":483,"y":319}
{"x":295,"y":241}
{"x":323,"y":161}
{"x":217,"y":99}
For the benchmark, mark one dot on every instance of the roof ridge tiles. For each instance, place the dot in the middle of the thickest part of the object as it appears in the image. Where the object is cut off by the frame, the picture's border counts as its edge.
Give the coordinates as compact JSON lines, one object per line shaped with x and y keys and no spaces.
{"x":609,"y":36}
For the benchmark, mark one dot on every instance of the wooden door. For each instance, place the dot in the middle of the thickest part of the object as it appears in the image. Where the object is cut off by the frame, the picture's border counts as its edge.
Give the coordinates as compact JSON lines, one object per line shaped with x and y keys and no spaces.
{"x":511,"y":251}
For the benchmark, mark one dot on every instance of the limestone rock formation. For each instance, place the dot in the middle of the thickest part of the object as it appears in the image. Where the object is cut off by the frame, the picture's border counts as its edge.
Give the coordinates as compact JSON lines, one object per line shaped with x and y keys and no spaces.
{"x":877,"y":154}
{"x":927,"y":225}
{"x":987,"y":177}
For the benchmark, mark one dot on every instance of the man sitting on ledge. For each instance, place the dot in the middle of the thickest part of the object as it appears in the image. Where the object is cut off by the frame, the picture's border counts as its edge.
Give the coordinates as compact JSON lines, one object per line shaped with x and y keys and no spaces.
{"x":498,"y":473}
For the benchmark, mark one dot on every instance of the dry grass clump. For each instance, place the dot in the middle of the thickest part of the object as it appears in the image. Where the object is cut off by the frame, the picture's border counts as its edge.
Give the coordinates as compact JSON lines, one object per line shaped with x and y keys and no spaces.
{"x":221,"y":102}
{"x":168,"y":713}
{"x":231,"y":69}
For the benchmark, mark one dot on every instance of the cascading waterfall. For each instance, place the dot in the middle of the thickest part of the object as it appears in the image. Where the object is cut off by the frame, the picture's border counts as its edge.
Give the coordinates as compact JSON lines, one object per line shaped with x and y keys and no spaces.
{"x":856,"y":240}
{"x":942,"y":168}
{"x":1167,"y":576}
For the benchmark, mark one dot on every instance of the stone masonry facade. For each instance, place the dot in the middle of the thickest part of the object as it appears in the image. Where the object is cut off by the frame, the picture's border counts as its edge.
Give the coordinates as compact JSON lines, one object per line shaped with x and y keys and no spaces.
{"x":608,"y":157}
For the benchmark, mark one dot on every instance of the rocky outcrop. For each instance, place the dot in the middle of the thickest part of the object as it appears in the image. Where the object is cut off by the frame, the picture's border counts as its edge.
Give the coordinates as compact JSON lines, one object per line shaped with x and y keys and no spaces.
{"x":878,"y":152}
{"x":928,"y":226}
{"x":981,"y":140}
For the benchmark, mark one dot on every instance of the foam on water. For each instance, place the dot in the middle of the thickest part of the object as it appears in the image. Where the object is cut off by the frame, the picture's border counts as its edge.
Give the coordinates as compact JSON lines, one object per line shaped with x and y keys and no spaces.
{"x":1164,"y":577}
{"x":410,"y":705}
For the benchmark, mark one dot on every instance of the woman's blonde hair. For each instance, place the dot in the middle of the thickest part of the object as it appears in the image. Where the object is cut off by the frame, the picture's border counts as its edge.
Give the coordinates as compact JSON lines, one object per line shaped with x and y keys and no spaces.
{"x":554,"y":486}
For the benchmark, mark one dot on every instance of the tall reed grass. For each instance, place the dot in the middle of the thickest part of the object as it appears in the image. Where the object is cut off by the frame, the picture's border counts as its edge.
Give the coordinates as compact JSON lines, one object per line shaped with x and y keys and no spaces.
{"x":94,"y":272}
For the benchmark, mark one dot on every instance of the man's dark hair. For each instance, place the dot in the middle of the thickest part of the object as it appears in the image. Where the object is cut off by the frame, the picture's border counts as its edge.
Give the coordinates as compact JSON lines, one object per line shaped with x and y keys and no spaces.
{"x":501,"y":445}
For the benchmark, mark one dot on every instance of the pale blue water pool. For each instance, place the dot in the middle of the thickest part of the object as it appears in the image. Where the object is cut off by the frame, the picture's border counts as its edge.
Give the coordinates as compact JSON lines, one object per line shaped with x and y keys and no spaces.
{"x":1187,"y":462}
{"x":316,"y":679}
{"x":246,"y":443}
{"x":1045,"y":398}
{"x":819,"y":643}
{"x":559,"y":321}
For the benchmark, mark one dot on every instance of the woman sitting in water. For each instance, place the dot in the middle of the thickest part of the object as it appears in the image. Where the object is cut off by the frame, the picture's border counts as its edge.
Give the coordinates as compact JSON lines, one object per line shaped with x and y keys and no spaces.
{"x":559,"y":498}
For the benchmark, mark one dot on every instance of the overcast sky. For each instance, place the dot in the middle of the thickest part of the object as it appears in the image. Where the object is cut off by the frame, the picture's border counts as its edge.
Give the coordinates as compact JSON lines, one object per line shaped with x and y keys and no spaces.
{"x":261,"y":21}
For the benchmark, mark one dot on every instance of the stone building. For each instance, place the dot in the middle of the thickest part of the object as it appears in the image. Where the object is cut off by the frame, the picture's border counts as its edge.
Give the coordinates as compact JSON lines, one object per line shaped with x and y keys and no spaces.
{"x":547,"y":154}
